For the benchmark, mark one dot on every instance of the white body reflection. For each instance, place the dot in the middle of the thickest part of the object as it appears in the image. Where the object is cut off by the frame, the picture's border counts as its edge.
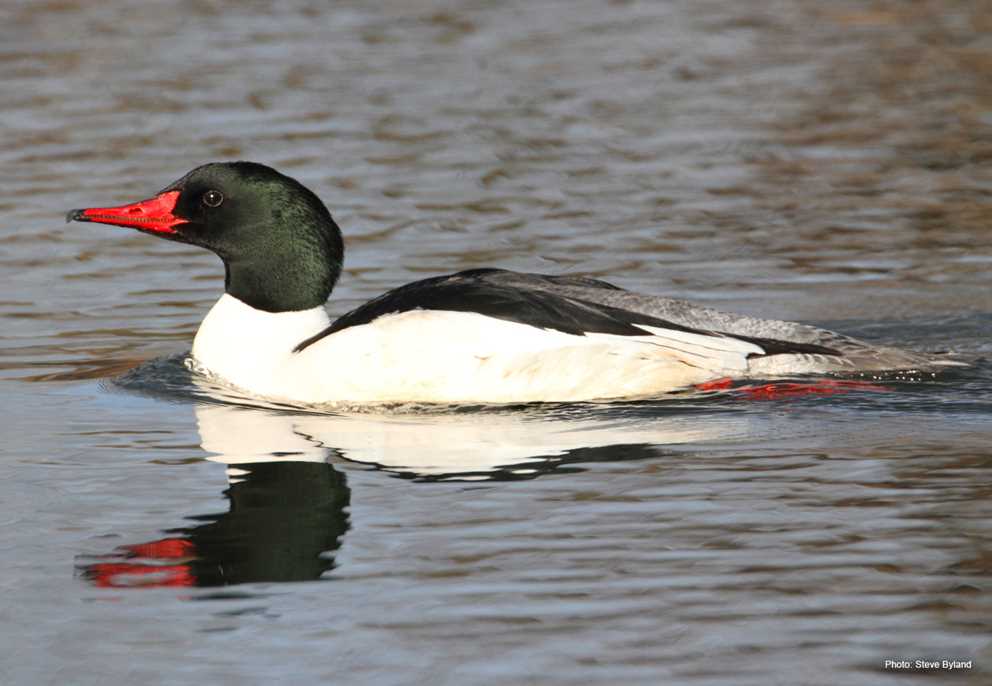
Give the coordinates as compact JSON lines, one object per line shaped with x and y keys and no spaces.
{"x":466,"y":446}
{"x":289,"y":507}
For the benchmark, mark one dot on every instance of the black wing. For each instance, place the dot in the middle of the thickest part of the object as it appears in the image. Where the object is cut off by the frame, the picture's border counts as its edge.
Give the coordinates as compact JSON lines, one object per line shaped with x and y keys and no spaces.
{"x":504,"y":295}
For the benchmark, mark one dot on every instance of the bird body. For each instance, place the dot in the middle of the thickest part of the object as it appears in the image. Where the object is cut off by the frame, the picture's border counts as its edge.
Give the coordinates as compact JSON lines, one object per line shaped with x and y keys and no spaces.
{"x":483,"y":335}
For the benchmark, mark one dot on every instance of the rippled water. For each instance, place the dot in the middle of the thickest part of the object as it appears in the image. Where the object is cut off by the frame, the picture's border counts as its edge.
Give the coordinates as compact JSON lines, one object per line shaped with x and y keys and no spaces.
{"x":827,"y":162}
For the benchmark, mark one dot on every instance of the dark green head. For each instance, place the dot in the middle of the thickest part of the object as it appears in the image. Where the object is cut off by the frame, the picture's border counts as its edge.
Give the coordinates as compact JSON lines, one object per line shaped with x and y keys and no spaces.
{"x":281,"y":249}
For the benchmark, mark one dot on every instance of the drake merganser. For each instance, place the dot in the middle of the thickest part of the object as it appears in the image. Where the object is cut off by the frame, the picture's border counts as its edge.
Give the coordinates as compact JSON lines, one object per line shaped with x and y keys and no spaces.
{"x":483,"y":335}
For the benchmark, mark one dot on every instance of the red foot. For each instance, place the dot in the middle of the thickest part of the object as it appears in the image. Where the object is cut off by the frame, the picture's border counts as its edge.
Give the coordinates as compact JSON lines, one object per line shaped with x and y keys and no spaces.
{"x":776,"y":391}
{"x":715,"y":384}
{"x":164,"y":549}
{"x":128,"y":575}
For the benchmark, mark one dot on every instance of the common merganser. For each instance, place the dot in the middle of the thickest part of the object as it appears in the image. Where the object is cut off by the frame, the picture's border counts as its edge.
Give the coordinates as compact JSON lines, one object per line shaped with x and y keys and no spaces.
{"x":483,"y":335}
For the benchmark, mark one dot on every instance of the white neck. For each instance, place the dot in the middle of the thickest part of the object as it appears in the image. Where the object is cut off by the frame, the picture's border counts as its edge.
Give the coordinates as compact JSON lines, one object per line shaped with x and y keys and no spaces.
{"x":250,"y":347}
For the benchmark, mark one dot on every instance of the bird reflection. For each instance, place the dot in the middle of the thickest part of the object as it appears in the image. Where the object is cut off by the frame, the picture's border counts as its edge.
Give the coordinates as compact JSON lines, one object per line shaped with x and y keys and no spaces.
{"x":288,"y":506}
{"x":285,"y":520}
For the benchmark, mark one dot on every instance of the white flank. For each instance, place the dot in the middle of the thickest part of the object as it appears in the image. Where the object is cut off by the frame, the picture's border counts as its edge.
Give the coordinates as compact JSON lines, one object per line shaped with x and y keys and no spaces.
{"x":713,"y":352}
{"x":441,"y":356}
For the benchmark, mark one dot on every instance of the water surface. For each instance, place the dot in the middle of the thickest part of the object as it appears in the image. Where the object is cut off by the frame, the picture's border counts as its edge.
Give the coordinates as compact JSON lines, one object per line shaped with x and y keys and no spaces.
{"x":828,"y":163}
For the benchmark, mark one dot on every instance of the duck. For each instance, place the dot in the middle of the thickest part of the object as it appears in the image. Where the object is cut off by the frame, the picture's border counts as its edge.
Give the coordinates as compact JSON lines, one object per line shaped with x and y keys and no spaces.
{"x":483,"y":335}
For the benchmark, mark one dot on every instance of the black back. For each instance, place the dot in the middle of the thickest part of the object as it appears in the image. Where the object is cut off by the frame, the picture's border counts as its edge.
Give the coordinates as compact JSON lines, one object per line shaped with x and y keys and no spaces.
{"x":482,"y":291}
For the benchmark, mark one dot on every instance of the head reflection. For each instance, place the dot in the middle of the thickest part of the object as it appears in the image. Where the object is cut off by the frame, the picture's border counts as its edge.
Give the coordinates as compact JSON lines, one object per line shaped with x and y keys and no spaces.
{"x":287,"y":514}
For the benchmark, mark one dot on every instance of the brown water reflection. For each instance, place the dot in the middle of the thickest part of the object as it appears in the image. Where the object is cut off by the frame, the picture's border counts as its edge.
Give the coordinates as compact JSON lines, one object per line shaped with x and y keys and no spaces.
{"x":801,"y":160}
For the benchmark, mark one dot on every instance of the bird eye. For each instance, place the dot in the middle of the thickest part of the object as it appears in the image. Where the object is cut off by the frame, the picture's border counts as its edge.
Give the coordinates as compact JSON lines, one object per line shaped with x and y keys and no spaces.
{"x":213,"y":198}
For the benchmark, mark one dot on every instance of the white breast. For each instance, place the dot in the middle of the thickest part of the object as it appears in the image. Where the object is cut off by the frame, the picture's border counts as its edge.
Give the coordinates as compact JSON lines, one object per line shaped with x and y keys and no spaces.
{"x":441,"y":356}
{"x":250,"y":348}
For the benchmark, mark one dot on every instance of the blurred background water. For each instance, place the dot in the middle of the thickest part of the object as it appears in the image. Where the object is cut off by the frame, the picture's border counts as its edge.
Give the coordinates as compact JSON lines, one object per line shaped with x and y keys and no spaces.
{"x":826,"y":162}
